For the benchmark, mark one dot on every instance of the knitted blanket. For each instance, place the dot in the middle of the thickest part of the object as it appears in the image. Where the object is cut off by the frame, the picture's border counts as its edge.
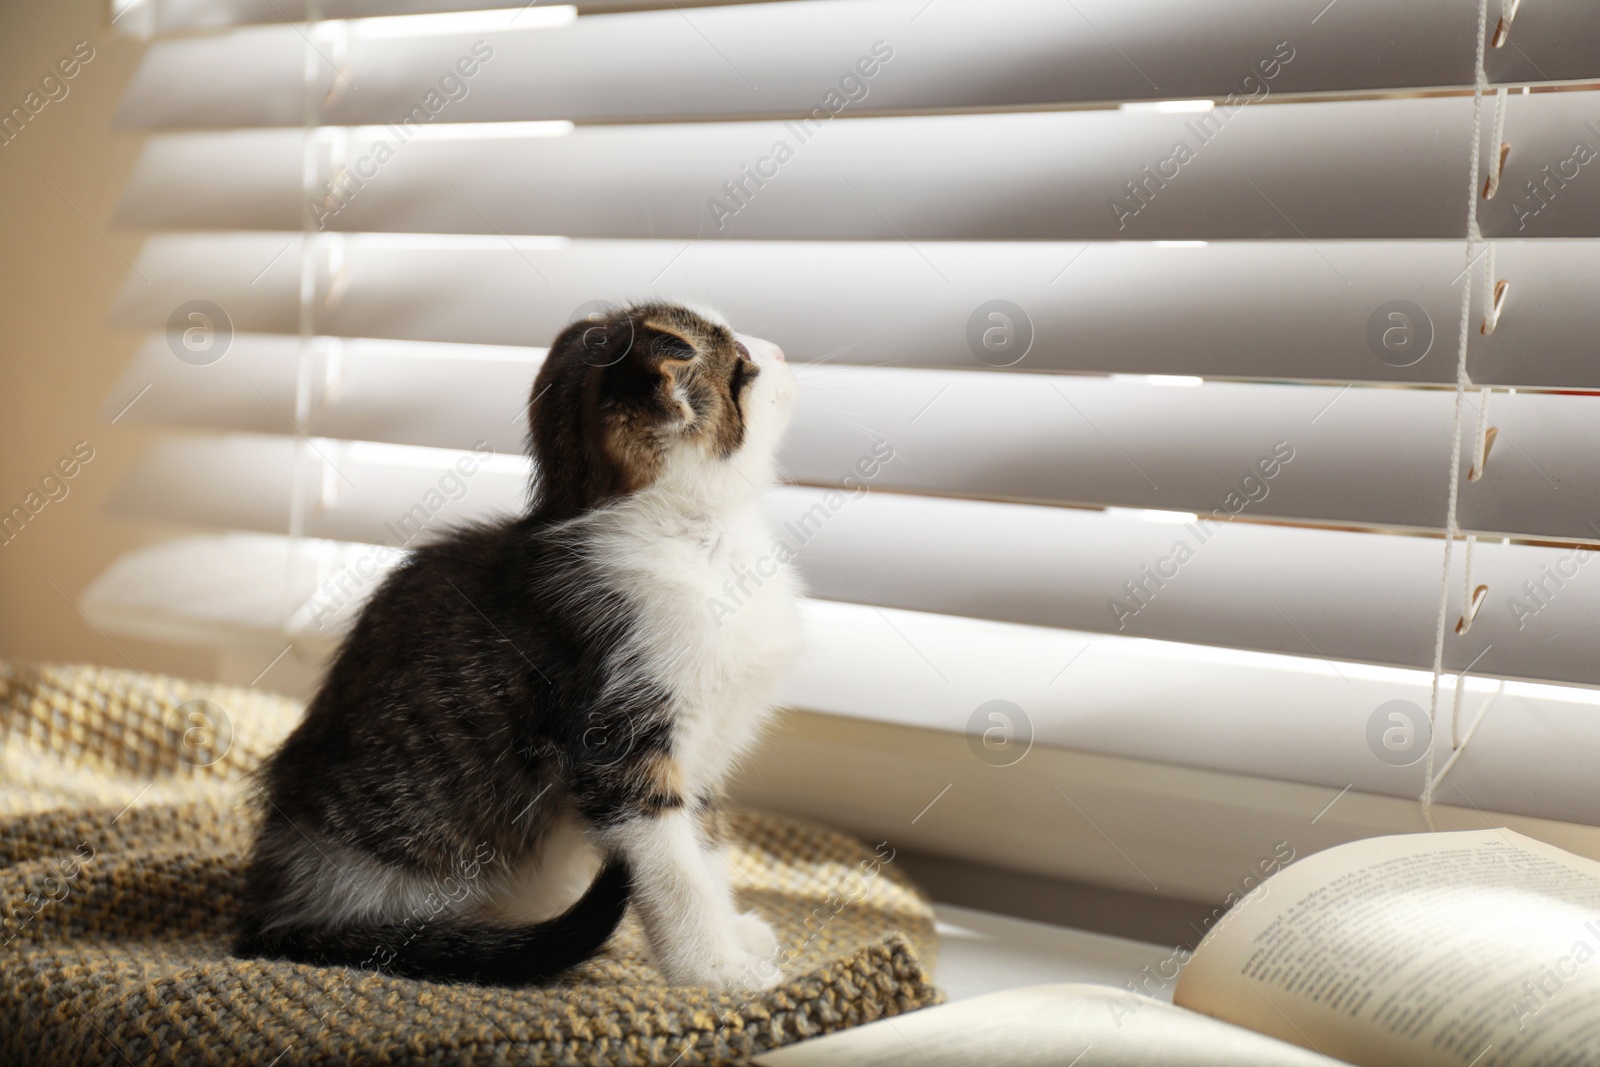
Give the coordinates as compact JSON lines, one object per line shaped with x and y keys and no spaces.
{"x":123,"y":830}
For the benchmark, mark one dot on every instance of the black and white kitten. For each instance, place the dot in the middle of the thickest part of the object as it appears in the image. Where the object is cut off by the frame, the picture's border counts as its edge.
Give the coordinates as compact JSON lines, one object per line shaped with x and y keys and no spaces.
{"x":523,"y":704}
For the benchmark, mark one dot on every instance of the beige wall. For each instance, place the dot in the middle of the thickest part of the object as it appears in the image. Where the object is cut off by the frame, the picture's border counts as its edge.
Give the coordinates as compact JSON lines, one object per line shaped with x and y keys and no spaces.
{"x":58,"y":359}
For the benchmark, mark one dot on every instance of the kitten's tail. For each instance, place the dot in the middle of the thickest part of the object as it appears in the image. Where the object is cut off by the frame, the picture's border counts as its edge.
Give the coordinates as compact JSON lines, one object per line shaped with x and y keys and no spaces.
{"x":458,"y":950}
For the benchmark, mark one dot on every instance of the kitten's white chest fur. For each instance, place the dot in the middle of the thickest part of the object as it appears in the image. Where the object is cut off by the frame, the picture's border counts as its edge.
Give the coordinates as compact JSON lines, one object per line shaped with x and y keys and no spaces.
{"x":717,"y":651}
{"x":717,"y":624}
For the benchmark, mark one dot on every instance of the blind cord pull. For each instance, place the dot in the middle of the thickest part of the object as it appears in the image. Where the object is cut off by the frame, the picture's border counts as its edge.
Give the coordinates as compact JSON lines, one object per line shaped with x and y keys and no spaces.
{"x":1476,"y":602}
{"x":1473,"y":599}
{"x":1508,"y":11}
{"x":1492,"y":318}
{"x":1491,"y":184}
{"x":1485,"y":437}
{"x":1485,"y":442}
{"x":1486,"y":434}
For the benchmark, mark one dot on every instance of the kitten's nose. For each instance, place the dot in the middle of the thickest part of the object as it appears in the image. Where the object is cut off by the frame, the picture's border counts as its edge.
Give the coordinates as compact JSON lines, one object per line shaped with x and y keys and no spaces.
{"x":763,"y":351}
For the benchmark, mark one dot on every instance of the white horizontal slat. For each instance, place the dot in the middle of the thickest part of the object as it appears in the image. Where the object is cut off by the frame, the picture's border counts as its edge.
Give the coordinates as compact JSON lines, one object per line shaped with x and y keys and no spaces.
{"x":151,"y":17}
{"x":1106,"y":820}
{"x":1249,"y":713}
{"x":1269,"y":310}
{"x":1357,"y":169}
{"x":409,"y":393}
{"x":1354,"y":596}
{"x":347,"y":491}
{"x":782,"y":59}
{"x":1252,"y":586}
{"x":1359,"y":457}
{"x":214,"y":591}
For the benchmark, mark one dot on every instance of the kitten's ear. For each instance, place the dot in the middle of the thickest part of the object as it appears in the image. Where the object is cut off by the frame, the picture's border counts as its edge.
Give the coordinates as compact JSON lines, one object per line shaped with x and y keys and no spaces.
{"x":670,"y":355}
{"x":666,"y":343}
{"x":672,"y":393}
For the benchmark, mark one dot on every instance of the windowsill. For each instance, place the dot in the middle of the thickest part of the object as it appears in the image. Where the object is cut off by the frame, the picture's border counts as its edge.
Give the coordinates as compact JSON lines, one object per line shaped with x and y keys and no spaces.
{"x":980,"y":952}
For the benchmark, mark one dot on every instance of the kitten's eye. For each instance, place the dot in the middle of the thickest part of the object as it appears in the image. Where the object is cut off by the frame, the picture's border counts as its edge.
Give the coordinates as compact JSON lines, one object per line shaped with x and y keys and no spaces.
{"x":744,"y":353}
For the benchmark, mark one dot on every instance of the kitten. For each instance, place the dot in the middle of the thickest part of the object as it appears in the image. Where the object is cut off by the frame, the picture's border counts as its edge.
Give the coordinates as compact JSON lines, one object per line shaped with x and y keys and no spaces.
{"x":524,"y":703}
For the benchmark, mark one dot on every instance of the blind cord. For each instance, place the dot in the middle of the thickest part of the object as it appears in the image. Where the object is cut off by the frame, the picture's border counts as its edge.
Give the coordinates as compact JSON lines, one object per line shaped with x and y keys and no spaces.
{"x":1473,"y":729}
{"x":311,"y":115}
{"x":1480,"y":83}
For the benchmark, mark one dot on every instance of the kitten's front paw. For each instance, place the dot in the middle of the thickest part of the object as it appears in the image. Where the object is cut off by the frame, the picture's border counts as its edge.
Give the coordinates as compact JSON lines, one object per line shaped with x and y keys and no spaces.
{"x":755,"y":936}
{"x":751,"y":974}
{"x":748,"y":960}
{"x":761,"y":951}
{"x":737,"y":972}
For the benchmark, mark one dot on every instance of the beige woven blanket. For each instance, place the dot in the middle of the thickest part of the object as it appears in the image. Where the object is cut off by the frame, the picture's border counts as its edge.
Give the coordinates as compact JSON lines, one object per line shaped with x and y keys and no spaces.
{"x":122,"y":838}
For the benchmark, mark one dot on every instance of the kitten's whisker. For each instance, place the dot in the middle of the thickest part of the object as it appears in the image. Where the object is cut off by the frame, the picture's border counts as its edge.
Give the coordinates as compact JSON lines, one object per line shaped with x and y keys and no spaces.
{"x":826,"y":356}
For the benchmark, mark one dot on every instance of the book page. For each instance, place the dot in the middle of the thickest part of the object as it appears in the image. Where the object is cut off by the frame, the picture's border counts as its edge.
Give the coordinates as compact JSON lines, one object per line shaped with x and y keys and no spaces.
{"x":1046,"y":1026}
{"x":1478,"y":948}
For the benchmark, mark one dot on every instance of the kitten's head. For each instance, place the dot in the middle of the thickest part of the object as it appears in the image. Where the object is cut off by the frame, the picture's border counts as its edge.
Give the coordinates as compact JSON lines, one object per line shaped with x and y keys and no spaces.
{"x":655,"y":394}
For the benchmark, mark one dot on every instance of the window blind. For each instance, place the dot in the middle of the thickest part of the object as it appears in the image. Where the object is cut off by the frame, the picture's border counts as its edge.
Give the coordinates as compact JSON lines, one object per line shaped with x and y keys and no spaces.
{"x":1127,"y":336}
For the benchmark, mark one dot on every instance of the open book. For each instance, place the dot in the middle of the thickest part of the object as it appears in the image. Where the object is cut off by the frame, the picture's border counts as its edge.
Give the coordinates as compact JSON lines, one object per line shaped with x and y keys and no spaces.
{"x":1477,"y":949}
